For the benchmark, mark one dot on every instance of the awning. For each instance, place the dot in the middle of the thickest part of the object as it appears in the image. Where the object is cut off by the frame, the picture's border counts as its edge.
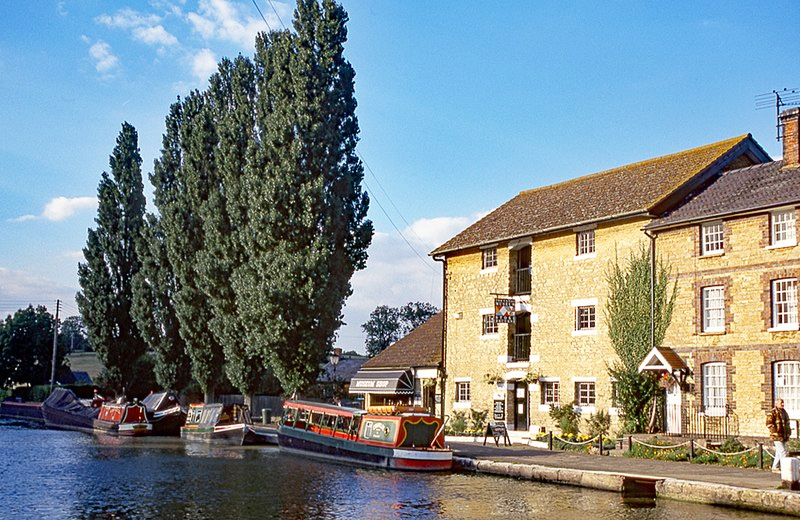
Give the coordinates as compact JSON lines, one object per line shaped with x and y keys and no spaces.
{"x":663,"y":359}
{"x":382,"y":382}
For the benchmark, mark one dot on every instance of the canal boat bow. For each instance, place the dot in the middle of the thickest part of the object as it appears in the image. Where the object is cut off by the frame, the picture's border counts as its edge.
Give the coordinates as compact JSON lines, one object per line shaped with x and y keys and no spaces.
{"x":402,"y":438}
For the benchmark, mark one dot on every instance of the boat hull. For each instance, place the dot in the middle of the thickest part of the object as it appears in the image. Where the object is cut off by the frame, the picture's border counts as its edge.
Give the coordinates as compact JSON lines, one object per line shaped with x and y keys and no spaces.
{"x":302,"y":442}
{"x":233,"y":434}
{"x":61,"y":420}
{"x":122,"y":429}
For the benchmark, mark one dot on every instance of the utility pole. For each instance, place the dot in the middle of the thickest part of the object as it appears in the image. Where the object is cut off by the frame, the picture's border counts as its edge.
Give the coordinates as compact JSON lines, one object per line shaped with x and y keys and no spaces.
{"x":55,"y":348}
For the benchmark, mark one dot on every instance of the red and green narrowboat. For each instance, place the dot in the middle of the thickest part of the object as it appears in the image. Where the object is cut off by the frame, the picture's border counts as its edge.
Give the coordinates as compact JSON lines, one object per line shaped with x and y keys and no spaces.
{"x":221,"y":424}
{"x":128,"y":419}
{"x":407,"y":439}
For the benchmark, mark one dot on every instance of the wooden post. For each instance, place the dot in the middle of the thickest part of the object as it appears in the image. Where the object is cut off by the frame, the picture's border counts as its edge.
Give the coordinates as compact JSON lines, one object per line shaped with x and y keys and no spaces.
{"x":550,"y":441}
{"x":630,"y":442}
{"x":761,"y":455}
{"x":601,"y":444}
{"x":691,"y":449}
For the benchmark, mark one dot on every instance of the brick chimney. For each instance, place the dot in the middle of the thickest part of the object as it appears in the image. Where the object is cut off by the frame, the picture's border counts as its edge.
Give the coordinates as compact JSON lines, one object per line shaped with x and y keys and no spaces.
{"x":790,"y":120}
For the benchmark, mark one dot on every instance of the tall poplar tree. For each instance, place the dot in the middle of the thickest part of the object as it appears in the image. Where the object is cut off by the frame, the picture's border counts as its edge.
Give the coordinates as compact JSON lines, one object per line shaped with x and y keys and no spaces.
{"x":154,"y":289}
{"x":181,"y":184}
{"x":112,"y":261}
{"x":308,"y":230}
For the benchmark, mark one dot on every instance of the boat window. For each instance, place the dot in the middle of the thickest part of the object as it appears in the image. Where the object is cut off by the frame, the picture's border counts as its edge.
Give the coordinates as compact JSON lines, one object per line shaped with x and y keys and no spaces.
{"x":343,"y":423}
{"x":329,"y":421}
{"x":316,"y":418}
{"x":354,"y":425}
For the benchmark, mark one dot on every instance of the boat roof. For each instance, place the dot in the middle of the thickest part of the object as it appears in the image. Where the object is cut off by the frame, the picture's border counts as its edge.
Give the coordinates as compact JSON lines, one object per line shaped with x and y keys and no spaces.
{"x":325,"y":407}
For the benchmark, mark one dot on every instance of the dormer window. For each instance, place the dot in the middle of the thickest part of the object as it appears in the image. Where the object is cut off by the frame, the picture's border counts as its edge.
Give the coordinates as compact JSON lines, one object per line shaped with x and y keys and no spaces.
{"x":712,"y":238}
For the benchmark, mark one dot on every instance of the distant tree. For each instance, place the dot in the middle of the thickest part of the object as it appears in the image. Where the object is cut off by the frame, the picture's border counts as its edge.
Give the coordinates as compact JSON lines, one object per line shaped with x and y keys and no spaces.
{"x":388,"y":324}
{"x":382,"y":329}
{"x":307,"y":231}
{"x":628,"y":316}
{"x":72,"y":335}
{"x":154,"y":289}
{"x":26,"y":348}
{"x":112,"y":261}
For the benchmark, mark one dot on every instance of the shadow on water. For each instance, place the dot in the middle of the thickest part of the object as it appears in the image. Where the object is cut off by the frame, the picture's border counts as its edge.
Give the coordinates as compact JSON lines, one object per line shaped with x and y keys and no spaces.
{"x":57,"y":474}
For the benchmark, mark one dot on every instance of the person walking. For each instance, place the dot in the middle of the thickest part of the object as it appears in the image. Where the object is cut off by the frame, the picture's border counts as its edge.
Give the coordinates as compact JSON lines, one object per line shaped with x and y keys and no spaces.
{"x":779,"y":432}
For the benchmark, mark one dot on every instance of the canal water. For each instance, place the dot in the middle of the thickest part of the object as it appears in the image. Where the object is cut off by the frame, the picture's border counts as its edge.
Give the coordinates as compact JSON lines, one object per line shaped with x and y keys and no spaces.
{"x":58,"y":474}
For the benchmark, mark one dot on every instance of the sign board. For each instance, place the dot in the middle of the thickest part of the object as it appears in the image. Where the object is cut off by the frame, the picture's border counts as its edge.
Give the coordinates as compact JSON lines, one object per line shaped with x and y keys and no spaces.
{"x":504,"y":310}
{"x":499,"y":410}
{"x":497,"y":429}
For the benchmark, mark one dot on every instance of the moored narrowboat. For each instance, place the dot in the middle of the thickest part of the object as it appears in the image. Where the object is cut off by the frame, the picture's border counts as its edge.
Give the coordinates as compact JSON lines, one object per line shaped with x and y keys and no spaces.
{"x":64,"y":411}
{"x":221,"y":423}
{"x":165,"y":413}
{"x":128,"y":419}
{"x":407,"y":439}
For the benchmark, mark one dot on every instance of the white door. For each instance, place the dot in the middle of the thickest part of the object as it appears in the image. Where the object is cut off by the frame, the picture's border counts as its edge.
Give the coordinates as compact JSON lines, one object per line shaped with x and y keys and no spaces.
{"x":674,"y":409}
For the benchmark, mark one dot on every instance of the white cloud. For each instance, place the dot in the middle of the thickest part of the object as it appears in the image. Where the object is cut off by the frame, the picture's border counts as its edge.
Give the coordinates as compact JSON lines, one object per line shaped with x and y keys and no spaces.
{"x":20,"y":288}
{"x":156,"y":35}
{"x":223,"y":20}
{"x":127,"y":19}
{"x":74,"y":255}
{"x":204,"y":64}
{"x":104,"y":59}
{"x":396,"y":274}
{"x":61,"y":208}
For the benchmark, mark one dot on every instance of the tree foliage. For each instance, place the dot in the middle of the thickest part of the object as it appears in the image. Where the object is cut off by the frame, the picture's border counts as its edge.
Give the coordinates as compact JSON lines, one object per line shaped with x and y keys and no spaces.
{"x":628,"y":317}
{"x":112,"y":260}
{"x":154,"y":289}
{"x":73,"y":336}
{"x":388,"y":324}
{"x":26,"y":348}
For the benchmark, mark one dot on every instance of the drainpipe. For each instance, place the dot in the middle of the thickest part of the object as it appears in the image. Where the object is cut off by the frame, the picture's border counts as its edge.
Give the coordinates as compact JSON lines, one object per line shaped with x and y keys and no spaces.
{"x":442,"y":363}
{"x":652,"y":238}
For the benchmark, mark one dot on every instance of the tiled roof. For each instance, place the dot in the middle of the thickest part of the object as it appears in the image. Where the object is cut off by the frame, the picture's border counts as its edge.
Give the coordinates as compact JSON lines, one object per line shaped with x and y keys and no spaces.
{"x":626,"y":190}
{"x":739,"y":191}
{"x":422,"y":347}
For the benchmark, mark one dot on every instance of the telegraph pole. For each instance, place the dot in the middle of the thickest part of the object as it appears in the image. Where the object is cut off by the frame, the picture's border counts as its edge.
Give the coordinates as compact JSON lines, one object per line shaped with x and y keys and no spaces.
{"x":55,"y":348}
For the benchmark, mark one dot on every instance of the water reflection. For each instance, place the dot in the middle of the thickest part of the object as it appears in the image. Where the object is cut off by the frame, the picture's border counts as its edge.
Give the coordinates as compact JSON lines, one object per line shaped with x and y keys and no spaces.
{"x":53,"y":474}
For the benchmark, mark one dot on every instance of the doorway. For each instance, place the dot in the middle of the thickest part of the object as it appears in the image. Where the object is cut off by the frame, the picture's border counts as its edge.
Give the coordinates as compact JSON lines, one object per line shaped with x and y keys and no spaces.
{"x":673,"y":405}
{"x":519,"y":405}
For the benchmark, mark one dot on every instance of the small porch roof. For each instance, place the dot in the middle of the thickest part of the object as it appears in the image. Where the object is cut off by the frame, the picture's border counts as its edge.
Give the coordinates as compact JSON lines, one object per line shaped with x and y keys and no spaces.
{"x":663,"y":359}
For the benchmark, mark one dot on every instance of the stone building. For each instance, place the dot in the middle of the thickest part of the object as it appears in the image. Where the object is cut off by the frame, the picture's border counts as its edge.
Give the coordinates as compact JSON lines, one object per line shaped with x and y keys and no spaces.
{"x":733,"y":250}
{"x":545,"y":255}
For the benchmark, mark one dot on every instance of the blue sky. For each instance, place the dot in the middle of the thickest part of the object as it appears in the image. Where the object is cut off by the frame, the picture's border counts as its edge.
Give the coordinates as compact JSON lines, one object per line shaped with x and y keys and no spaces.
{"x":461,"y":106}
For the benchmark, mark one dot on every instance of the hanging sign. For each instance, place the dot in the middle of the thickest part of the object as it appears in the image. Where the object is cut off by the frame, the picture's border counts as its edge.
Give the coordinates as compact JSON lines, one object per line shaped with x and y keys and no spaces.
{"x":504,"y":310}
{"x":499,"y":410}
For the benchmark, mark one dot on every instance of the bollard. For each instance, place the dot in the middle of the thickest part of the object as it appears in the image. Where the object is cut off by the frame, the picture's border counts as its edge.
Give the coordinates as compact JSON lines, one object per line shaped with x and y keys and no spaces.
{"x":550,"y":441}
{"x":790,"y":473}
{"x":601,"y":444}
{"x":266,"y":416}
{"x":760,"y":455}
{"x":691,"y":449}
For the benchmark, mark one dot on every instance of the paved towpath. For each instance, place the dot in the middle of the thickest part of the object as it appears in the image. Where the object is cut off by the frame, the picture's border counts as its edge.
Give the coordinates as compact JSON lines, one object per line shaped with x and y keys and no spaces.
{"x":739,"y":477}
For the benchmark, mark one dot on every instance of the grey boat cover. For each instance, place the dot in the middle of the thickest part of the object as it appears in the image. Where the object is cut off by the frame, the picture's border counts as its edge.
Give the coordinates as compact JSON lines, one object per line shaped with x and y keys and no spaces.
{"x":66,"y":401}
{"x":160,"y":401}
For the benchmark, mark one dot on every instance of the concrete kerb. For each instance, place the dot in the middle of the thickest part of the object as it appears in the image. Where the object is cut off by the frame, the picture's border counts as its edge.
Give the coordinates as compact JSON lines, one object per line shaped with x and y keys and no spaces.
{"x":773,"y":501}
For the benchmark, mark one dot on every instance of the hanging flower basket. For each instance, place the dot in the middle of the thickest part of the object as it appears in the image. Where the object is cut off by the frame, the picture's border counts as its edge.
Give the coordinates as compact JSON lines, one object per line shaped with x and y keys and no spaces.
{"x":666,"y":380}
{"x":492,"y":378}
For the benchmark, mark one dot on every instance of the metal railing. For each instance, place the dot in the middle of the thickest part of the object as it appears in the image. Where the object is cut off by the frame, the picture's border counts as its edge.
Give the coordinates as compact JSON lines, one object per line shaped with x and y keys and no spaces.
{"x":523,"y":281}
{"x":522,"y":347}
{"x":712,"y":424}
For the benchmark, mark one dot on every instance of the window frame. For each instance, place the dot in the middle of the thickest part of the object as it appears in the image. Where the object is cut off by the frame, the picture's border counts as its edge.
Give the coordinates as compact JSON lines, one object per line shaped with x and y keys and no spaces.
{"x":489,"y":258}
{"x":715,"y":402}
{"x":554,"y":392}
{"x":591,"y":319}
{"x":712,"y":233}
{"x":790,"y":393}
{"x":788,"y":318}
{"x":718,"y":310}
{"x":463,"y":392}
{"x":778,"y":225}
{"x":585,"y":244}
{"x":590,"y":393}
{"x":489,"y":326}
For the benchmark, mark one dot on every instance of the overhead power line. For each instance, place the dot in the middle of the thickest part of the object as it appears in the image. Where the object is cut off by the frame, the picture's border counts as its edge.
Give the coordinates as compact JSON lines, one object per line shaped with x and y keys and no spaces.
{"x":262,"y":15}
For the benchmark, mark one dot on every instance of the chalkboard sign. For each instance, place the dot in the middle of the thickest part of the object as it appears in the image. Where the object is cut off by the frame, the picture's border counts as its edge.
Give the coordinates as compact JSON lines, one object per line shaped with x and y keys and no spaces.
{"x":497,"y":430}
{"x":499,"y":410}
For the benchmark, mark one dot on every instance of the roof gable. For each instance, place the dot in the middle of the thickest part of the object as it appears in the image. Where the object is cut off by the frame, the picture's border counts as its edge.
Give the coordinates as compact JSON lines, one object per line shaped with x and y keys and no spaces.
{"x":637,"y":188}
{"x":422,"y":347}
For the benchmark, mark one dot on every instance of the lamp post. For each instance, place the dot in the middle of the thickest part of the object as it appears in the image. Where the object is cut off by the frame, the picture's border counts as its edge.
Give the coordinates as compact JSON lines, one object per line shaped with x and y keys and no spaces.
{"x":334,"y":359}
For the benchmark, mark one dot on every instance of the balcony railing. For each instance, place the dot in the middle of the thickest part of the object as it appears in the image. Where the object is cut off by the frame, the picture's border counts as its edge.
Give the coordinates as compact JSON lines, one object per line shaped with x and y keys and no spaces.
{"x":524,"y":280}
{"x":522,"y":347}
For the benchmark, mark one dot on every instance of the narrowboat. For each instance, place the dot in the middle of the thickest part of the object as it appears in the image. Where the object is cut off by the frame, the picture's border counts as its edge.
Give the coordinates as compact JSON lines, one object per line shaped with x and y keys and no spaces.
{"x":221,"y":423}
{"x":63,"y":410}
{"x":165,"y":413}
{"x":403,"y":438}
{"x":122,"y":418}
